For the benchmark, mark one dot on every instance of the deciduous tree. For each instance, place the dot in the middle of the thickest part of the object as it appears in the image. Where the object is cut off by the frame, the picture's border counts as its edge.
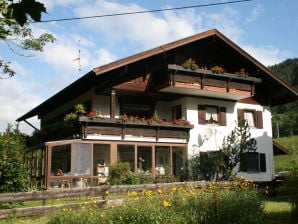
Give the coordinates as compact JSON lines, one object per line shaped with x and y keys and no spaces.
{"x":16,"y":32}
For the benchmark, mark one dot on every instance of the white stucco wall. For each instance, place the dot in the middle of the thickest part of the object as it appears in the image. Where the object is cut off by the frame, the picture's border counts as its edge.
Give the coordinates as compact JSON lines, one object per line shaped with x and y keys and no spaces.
{"x":198,"y":143}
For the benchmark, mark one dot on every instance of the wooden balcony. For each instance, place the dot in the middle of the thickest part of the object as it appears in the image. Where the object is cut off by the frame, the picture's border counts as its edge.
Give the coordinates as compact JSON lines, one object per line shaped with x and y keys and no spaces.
{"x":139,"y":130}
{"x":205,"y":83}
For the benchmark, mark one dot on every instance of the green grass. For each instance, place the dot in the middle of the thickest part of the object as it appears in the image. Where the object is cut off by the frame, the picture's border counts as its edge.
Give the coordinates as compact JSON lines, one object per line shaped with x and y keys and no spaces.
{"x":287,"y":162}
{"x":277,"y":210}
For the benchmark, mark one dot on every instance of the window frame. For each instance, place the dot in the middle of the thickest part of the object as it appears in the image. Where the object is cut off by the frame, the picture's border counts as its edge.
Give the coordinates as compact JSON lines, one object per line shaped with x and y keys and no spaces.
{"x":221,"y":115}
{"x":260,"y":162}
{"x":257,"y":116}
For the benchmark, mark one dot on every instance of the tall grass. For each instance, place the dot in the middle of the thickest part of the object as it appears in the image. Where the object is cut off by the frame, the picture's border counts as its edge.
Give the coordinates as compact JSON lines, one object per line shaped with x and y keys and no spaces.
{"x":185,"y":205}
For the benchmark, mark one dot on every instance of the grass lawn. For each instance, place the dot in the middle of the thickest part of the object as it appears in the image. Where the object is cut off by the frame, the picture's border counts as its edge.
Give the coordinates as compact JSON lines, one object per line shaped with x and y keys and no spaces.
{"x":277,"y":210}
{"x":287,"y":162}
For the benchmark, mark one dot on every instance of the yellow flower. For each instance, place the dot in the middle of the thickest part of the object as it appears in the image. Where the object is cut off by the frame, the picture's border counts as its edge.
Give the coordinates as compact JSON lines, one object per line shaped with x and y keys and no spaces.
{"x":134,"y":193}
{"x":159,"y":191}
{"x":107,"y":192}
{"x":166,"y":203}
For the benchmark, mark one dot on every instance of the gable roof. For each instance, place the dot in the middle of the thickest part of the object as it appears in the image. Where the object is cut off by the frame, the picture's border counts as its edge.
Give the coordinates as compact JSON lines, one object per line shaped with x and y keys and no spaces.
{"x":279,"y":149}
{"x":108,"y":75}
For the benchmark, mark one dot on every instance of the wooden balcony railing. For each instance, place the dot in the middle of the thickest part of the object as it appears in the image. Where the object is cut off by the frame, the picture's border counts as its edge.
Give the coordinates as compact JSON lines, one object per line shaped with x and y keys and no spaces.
{"x":206,"y":80}
{"x":139,"y":130}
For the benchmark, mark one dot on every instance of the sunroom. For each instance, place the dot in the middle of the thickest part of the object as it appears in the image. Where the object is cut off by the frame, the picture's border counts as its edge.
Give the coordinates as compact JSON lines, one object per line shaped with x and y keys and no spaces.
{"x":79,"y":163}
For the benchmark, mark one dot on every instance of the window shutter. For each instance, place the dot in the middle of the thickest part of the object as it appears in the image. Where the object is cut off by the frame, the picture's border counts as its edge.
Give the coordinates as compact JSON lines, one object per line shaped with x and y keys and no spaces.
{"x":262,"y":162}
{"x":202,"y":114}
{"x":222,"y":116}
{"x":240,"y":113}
{"x":259,"y":120}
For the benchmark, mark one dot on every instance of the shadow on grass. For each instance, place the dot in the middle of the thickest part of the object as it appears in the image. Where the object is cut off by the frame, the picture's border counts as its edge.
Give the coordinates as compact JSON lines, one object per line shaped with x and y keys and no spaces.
{"x":277,"y":218}
{"x":277,"y":210}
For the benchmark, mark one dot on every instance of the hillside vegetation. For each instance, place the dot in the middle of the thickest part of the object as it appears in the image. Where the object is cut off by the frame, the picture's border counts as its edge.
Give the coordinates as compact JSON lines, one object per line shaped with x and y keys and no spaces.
{"x":285,"y":117}
{"x":287,"y":162}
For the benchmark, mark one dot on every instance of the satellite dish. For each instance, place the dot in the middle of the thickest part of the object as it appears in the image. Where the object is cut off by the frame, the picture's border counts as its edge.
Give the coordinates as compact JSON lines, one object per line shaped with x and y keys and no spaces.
{"x":207,"y":133}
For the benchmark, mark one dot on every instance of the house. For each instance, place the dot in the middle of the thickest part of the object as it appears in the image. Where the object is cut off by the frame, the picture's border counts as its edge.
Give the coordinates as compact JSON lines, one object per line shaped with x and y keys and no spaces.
{"x":154,"y":108}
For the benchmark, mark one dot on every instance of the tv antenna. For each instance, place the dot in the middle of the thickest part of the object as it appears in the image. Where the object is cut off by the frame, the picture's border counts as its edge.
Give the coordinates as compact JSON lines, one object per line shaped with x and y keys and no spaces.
{"x":79,"y":57}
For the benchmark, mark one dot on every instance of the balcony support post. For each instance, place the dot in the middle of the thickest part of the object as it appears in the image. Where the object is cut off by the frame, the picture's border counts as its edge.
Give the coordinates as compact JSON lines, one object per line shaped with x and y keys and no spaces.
{"x":112,"y":103}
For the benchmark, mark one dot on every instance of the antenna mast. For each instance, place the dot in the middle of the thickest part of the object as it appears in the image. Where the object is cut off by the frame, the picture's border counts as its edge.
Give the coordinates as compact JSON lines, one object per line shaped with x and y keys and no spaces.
{"x":79,"y":57}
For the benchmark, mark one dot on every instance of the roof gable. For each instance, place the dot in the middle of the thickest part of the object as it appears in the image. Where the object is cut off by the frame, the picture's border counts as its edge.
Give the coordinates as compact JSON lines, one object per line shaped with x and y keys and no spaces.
{"x":210,"y":48}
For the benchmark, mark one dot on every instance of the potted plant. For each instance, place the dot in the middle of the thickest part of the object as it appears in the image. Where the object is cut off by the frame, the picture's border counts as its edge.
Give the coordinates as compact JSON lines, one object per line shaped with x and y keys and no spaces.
{"x":80,"y":109}
{"x":242,"y":73}
{"x":218,"y":69}
{"x":190,"y":64}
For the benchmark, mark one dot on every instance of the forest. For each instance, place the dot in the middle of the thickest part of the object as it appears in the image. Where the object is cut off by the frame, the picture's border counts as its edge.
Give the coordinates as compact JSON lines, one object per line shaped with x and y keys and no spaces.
{"x":285,"y":117}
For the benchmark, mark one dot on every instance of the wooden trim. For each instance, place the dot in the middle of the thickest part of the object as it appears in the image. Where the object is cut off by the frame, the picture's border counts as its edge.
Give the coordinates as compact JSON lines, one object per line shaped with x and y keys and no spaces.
{"x":259,"y":119}
{"x":202,"y":114}
{"x":240,"y":115}
{"x":222,"y":116}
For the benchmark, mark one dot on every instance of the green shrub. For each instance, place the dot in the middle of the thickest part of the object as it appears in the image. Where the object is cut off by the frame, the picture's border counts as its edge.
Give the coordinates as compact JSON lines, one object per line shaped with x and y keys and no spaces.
{"x":13,"y":176}
{"x":120,"y":173}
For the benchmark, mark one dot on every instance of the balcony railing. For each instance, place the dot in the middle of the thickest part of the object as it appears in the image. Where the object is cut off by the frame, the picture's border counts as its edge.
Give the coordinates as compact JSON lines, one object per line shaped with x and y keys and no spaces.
{"x":205,"y":82}
{"x":138,"y":130}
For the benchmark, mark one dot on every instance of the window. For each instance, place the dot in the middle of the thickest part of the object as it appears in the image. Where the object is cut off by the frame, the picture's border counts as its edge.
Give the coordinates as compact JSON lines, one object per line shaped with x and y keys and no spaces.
{"x":253,"y":162}
{"x":101,"y":159}
{"x":60,"y":161}
{"x":249,"y":118}
{"x":209,"y":114}
{"x":162,"y":159}
{"x":126,"y":153}
{"x":253,"y":118}
{"x":81,"y":159}
{"x":136,"y":106}
{"x":178,"y":160}
{"x":144,"y":158}
{"x":176,"y":112}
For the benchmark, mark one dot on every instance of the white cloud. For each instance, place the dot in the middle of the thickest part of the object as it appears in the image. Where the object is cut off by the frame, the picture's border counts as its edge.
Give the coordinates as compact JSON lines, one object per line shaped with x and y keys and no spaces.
{"x":267,"y":55}
{"x":18,"y":95}
{"x":254,"y":13}
{"x":226,"y":21}
{"x":145,"y":30}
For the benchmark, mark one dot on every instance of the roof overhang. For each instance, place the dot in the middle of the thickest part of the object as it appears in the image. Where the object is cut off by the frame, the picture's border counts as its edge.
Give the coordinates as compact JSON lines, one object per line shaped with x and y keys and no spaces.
{"x":108,"y":75}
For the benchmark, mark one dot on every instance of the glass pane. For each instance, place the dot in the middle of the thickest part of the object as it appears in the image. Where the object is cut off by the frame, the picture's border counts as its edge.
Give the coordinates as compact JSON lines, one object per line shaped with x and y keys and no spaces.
{"x":162,"y":165}
{"x":249,"y":118}
{"x":81,"y":159}
{"x":211,"y":115}
{"x":60,"y":161}
{"x":144,"y":158}
{"x":137,"y":110}
{"x":126,"y":153}
{"x":101,"y":159}
{"x":252,"y":160}
{"x":178,"y":165}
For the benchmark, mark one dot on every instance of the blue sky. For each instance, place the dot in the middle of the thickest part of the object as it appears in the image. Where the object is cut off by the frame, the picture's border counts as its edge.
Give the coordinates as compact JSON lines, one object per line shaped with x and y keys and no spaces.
{"x":266,"y":29}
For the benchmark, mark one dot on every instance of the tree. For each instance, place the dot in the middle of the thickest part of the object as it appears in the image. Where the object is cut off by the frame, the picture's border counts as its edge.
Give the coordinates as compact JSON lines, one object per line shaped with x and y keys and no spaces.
{"x":15,"y":30}
{"x":285,"y":117}
{"x":239,"y":141}
{"x":223,"y":164}
{"x":13,"y":177}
